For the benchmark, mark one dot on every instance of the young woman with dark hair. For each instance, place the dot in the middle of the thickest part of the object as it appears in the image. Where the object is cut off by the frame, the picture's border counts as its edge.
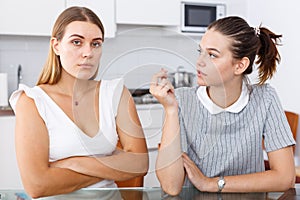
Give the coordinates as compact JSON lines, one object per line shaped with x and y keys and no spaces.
{"x":213,"y":133}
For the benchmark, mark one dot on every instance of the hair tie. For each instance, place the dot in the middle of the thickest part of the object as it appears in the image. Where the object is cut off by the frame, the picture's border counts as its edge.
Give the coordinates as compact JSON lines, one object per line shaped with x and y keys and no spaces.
{"x":257,"y":31}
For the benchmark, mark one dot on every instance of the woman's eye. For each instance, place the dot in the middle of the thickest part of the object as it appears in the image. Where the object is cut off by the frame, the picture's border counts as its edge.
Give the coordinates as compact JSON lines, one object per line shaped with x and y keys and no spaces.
{"x":96,"y":44}
{"x":212,"y":55}
{"x":76,"y":42}
{"x":200,"y":51}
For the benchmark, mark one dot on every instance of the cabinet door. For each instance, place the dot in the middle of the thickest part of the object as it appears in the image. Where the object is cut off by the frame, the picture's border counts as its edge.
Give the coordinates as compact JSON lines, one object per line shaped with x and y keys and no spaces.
{"x":151,"y":117}
{"x":9,"y":172}
{"x":105,"y":11}
{"x":148,"y":12}
{"x":30,"y":17}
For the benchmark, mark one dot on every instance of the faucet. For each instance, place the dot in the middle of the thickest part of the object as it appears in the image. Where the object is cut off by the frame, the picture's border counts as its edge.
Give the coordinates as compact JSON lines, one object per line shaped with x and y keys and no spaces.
{"x":19,"y":74}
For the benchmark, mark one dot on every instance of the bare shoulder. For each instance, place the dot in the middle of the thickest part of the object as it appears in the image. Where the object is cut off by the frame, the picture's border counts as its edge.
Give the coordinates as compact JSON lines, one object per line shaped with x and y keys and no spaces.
{"x":126,"y":104}
{"x":24,"y":102}
{"x":126,"y":99}
{"x":126,"y":92}
{"x":26,"y":108}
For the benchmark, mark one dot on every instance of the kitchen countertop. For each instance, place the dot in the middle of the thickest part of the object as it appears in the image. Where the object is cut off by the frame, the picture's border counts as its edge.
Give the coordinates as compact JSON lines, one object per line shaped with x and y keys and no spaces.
{"x":149,"y":106}
{"x":6,"y":111}
{"x":10,"y":112}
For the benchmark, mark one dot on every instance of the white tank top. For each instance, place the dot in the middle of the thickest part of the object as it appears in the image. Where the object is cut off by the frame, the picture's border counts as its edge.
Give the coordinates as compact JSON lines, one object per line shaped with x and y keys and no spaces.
{"x":65,"y":138}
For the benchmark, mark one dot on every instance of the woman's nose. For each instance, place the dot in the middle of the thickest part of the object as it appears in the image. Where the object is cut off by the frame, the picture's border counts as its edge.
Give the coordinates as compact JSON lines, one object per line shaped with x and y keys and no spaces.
{"x":87,"y":51}
{"x":201,"y":61}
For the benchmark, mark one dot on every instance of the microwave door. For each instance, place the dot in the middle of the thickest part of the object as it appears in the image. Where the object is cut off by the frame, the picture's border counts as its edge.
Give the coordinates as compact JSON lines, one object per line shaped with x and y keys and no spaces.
{"x":196,"y":18}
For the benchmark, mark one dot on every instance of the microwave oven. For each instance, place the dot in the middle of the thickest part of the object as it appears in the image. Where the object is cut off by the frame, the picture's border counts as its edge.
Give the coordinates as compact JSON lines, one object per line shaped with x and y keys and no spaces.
{"x":195,"y":17}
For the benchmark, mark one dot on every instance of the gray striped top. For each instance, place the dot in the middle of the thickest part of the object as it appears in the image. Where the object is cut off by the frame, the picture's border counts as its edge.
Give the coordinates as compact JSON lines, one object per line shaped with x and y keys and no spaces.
{"x":231,"y":143}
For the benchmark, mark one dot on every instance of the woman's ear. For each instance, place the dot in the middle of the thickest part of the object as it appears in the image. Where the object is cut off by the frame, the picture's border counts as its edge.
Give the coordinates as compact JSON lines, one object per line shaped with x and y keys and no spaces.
{"x":55,"y":44}
{"x":241,"y":65}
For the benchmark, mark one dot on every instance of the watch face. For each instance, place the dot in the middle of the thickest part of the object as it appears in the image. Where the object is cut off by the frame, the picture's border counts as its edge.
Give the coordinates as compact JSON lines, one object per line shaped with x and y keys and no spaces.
{"x":221,"y":182}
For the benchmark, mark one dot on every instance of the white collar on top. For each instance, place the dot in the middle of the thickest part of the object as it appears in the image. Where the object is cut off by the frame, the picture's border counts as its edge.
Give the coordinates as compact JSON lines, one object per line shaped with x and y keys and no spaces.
{"x":215,"y":109}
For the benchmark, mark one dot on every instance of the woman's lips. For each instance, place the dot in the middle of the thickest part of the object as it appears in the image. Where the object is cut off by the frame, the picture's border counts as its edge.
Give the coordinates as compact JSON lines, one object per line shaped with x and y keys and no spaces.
{"x":199,"y":73}
{"x":86,"y":66}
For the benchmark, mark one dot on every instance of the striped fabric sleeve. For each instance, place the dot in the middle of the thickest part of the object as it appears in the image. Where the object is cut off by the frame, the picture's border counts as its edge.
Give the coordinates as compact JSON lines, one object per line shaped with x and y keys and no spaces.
{"x":183,"y":134}
{"x":277,"y":132}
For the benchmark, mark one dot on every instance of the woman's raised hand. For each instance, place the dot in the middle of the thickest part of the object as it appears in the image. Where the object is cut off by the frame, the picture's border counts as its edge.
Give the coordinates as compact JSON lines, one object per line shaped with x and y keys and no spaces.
{"x":162,"y":89}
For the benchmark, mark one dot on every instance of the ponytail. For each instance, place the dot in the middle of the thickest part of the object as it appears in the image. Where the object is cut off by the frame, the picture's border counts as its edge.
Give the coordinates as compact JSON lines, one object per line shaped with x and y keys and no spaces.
{"x":268,"y":55}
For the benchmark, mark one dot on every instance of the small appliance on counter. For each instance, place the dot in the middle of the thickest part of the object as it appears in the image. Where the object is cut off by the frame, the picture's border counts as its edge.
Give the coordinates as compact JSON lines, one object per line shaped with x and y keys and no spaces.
{"x":179,"y":78}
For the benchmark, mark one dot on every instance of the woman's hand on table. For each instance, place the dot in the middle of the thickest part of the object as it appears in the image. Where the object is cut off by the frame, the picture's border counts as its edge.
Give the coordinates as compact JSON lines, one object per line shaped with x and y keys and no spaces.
{"x":196,"y":177}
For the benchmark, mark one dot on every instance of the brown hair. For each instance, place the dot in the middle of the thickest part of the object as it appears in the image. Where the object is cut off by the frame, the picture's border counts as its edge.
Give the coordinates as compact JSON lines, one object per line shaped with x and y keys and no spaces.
{"x":51,"y":72}
{"x":249,"y":42}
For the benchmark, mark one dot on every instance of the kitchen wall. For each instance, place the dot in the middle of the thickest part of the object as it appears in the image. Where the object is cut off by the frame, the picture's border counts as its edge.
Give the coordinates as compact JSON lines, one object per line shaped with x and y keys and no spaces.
{"x":135,"y":53}
{"x":29,"y":52}
{"x":282,"y":18}
{"x":138,"y":52}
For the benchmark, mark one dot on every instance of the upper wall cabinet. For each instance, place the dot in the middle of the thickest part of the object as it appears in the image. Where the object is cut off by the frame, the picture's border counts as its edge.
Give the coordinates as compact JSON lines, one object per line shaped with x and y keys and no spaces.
{"x":148,"y":12}
{"x":105,"y":11}
{"x":30,"y":17}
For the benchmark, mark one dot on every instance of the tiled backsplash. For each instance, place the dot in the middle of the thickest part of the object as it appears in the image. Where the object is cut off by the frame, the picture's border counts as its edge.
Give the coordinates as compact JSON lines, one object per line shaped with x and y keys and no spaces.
{"x":136,"y":53}
{"x":29,"y":52}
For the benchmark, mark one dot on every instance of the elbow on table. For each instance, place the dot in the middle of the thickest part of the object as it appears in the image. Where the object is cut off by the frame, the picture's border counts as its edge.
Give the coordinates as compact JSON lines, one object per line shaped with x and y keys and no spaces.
{"x":287,"y":183}
{"x":290,"y":183}
{"x":37,"y":187}
{"x":171,"y":189}
{"x":35,"y":190}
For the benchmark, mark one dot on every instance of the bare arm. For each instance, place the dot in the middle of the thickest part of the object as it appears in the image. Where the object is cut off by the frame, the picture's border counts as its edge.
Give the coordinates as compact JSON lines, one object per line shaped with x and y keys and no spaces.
{"x":124,"y":164}
{"x":281,"y":177}
{"x":169,"y":164}
{"x":32,"y":149}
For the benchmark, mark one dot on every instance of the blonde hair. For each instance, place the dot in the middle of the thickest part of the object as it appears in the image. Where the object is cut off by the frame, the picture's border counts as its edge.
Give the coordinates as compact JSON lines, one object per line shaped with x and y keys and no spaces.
{"x":51,"y":72}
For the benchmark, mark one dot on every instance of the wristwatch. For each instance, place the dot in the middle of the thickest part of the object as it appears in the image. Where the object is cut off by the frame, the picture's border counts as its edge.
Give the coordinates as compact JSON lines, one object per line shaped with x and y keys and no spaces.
{"x":221,"y":183}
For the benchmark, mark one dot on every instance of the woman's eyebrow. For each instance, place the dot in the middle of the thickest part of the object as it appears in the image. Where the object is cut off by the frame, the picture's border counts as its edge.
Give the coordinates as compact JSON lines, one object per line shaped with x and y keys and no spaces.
{"x":213,"y":49}
{"x":76,"y":35}
{"x":209,"y":49}
{"x":80,"y":36}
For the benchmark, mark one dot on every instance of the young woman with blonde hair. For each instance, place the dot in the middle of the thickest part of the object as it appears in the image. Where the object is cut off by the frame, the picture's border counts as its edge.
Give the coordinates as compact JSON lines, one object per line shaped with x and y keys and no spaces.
{"x":68,"y":126}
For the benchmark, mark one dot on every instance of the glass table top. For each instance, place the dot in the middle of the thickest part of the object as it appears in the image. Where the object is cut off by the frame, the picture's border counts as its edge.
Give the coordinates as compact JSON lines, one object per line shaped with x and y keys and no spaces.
{"x":151,"y":194}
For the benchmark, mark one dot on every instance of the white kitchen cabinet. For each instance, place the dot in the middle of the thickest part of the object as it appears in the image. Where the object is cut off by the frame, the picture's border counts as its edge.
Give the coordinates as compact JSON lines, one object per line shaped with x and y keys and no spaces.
{"x":9,"y":173}
{"x":148,"y":12}
{"x":105,"y":11}
{"x":151,"y":117}
{"x":30,"y":17}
